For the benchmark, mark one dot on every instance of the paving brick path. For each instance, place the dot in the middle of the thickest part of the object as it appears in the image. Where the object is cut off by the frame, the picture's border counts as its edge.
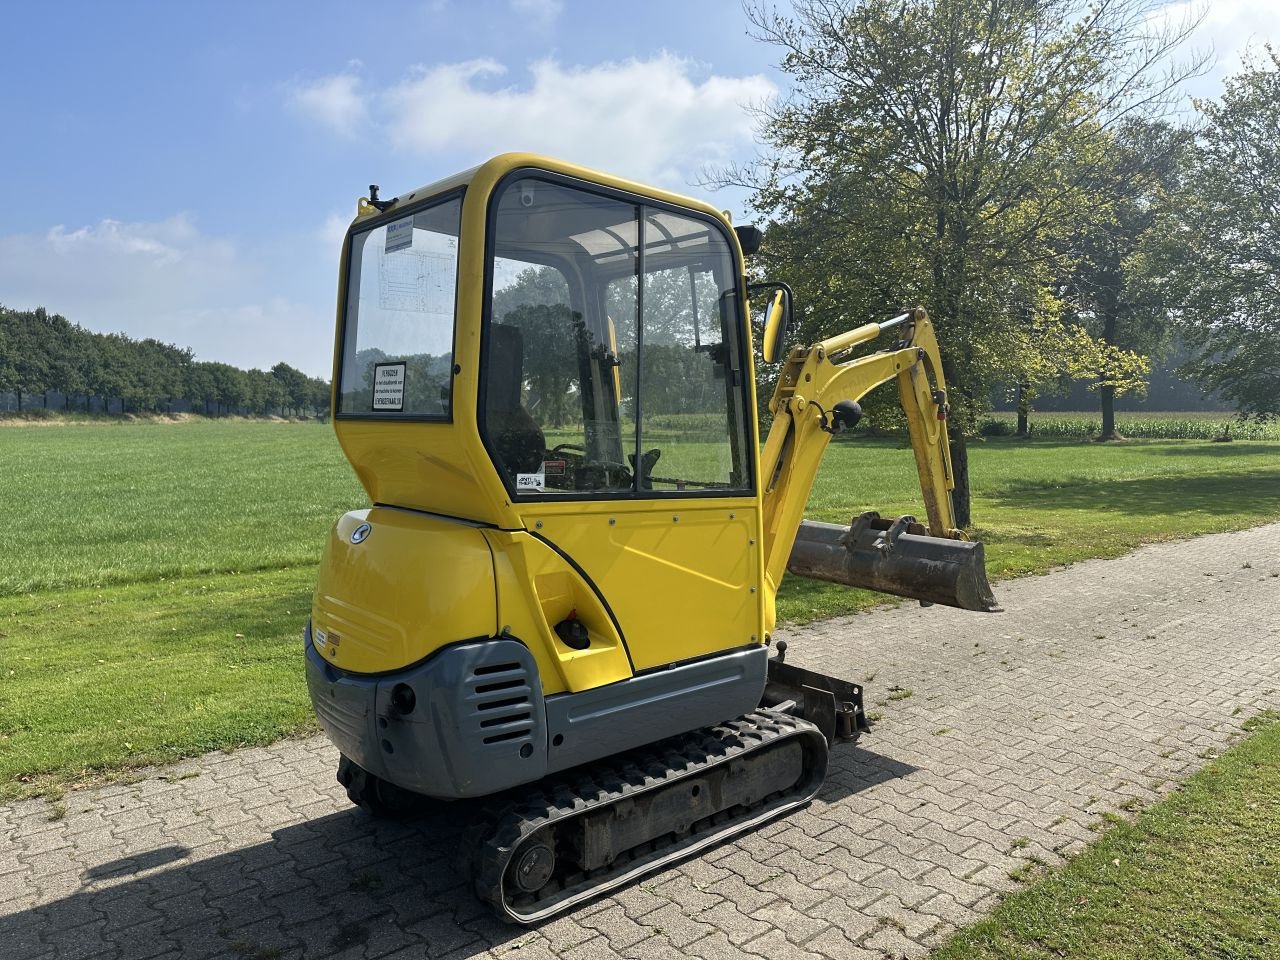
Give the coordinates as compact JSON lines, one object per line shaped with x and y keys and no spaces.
{"x":1003,"y":739}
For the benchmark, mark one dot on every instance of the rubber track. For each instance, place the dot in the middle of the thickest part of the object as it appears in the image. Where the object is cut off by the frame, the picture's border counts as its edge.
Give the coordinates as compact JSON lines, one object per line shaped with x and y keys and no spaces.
{"x":492,"y":842}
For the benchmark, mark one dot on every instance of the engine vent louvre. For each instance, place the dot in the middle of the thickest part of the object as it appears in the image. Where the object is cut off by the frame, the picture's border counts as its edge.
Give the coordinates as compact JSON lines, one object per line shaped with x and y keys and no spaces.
{"x":501,"y":706}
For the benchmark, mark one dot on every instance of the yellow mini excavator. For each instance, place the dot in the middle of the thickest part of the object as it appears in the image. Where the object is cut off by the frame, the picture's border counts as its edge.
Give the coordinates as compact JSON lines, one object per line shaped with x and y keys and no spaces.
{"x":562,"y":598}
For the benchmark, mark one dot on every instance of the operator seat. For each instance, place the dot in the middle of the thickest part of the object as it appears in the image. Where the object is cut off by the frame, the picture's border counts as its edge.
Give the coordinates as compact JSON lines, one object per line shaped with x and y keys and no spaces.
{"x":514,"y":435}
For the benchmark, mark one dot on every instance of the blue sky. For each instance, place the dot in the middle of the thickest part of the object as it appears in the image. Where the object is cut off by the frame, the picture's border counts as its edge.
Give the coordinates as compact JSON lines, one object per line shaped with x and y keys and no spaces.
{"x":185,"y":171}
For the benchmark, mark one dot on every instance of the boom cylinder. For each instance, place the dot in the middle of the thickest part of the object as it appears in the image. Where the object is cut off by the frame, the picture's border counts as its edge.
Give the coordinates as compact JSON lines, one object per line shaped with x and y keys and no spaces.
{"x":894,"y":557}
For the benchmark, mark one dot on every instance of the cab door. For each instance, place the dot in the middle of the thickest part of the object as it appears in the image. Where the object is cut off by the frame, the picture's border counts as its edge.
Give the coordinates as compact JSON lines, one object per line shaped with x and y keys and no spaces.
{"x":618,"y":408}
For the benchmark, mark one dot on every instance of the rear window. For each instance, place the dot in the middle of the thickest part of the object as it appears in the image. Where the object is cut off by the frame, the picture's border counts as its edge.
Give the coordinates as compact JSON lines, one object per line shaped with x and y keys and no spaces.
{"x":397,"y":351}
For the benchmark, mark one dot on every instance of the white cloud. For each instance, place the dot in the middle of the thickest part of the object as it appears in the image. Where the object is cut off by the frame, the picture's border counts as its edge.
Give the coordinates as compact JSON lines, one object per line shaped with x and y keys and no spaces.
{"x":336,"y":101}
{"x":1231,"y":28}
{"x":170,"y":281}
{"x":659,"y":119}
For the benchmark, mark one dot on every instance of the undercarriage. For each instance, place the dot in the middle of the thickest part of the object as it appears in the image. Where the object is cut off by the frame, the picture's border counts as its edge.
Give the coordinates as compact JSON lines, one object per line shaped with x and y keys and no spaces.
{"x":539,"y":849}
{"x":575,"y":837}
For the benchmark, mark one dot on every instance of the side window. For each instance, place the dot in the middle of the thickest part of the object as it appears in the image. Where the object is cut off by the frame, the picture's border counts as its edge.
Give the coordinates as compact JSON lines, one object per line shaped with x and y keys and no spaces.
{"x":555,"y":415}
{"x":613,"y":347}
{"x":691,"y":379}
{"x":397,"y":352}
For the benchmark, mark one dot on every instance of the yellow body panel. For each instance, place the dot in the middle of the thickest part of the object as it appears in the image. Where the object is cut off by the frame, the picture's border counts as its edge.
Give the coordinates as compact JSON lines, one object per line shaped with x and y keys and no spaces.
{"x":683,"y":577}
{"x":537,"y":588}
{"x":414,"y":583}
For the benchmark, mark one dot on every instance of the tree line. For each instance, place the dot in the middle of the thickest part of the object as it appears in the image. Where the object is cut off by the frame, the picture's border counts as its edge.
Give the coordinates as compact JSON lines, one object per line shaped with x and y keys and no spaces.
{"x":1025,"y":172}
{"x":43,"y":353}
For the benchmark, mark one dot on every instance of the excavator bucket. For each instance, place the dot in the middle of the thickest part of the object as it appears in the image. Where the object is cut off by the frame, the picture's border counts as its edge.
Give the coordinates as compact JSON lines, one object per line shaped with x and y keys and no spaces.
{"x":897,"y":557}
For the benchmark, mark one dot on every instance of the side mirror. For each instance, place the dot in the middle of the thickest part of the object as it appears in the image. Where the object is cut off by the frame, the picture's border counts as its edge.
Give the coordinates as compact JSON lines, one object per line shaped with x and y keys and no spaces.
{"x":777,"y":319}
{"x":749,"y":238}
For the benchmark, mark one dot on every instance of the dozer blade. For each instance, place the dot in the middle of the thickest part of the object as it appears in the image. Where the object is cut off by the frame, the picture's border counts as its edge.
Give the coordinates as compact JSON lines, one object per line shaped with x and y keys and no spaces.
{"x":605,"y":824}
{"x":894,"y":557}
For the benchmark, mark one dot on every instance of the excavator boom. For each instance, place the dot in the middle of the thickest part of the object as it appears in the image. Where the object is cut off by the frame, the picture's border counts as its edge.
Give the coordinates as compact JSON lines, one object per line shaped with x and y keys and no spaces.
{"x":817,"y":395}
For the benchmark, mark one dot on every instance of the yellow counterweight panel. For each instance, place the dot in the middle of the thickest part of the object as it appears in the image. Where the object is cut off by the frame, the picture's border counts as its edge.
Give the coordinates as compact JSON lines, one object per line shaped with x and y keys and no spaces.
{"x":683,"y":577}
{"x":407,"y":586}
{"x":538,"y":588}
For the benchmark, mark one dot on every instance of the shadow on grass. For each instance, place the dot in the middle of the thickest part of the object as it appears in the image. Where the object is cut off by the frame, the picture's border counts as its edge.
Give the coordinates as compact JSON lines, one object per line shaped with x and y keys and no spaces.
{"x":343,"y":884}
{"x":1253,"y":492}
{"x":1022,"y":539}
{"x":1207,"y":448}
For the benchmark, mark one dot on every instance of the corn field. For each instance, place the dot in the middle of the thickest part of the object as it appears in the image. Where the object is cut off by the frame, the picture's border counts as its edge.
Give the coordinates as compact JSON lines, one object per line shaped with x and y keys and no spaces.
{"x":1139,"y":426}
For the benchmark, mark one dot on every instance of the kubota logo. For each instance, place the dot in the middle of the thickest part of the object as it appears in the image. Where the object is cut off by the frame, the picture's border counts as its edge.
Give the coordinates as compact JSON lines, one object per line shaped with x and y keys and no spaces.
{"x":360,"y":533}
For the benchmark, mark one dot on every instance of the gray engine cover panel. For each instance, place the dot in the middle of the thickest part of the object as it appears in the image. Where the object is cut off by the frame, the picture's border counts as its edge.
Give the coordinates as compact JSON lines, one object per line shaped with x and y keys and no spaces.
{"x":478,"y":725}
{"x":607,"y":720}
{"x":481,"y":724}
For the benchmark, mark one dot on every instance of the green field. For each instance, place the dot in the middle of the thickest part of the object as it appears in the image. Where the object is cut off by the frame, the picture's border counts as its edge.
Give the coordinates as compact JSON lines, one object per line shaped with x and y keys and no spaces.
{"x":100,"y":504}
{"x":157,"y":576}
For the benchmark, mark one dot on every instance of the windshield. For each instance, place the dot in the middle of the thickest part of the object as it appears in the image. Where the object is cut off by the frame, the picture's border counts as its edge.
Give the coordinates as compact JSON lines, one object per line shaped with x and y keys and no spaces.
{"x":613,"y":354}
{"x":397,"y":351}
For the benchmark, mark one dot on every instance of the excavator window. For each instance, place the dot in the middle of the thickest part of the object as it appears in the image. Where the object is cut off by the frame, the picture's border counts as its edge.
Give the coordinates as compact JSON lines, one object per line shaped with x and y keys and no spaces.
{"x":397,"y":340}
{"x":612,"y":350}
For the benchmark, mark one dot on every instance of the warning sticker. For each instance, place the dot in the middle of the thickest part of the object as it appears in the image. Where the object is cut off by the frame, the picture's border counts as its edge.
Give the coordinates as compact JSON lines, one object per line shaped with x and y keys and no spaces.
{"x":400,"y":235}
{"x":553,"y":468}
{"x":388,"y":387}
{"x":529,"y":483}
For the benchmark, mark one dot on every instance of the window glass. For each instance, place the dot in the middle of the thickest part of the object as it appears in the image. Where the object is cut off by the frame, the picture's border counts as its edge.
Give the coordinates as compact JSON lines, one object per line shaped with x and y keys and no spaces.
{"x":578,"y":345}
{"x":397,"y":357}
{"x":555,"y":416}
{"x":690,"y":374}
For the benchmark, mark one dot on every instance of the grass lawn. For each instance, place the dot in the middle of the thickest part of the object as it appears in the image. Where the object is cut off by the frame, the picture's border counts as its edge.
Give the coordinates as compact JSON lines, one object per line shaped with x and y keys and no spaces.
{"x":103,"y":503}
{"x":93,"y":680}
{"x":1197,"y":875}
{"x":157,"y":576}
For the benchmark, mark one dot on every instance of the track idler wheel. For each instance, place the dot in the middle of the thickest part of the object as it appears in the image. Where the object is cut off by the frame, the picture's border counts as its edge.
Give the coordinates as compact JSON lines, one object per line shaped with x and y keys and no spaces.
{"x":534,"y":864}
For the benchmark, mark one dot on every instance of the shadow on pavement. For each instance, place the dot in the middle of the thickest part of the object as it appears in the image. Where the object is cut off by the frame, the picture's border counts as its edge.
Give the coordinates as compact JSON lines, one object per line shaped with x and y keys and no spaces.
{"x":342,"y":884}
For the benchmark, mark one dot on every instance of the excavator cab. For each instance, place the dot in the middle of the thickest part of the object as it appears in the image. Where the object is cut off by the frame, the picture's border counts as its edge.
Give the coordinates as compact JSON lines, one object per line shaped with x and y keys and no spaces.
{"x":564,"y":589}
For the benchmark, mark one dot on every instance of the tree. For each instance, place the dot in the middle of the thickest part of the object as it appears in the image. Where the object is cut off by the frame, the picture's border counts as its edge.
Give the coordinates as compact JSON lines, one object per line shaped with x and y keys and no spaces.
{"x":201,"y":387}
{"x":939,"y":151}
{"x":26,"y":367}
{"x":40,"y":352}
{"x":1059,"y":353}
{"x":1110,"y":290}
{"x":319,"y":395}
{"x":230,"y":387}
{"x":8,"y":360}
{"x":1220,"y":251}
{"x":293,"y":386}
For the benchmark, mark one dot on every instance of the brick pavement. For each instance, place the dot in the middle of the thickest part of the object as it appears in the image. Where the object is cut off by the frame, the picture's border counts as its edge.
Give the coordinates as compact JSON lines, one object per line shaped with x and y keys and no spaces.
{"x":1003,"y":739}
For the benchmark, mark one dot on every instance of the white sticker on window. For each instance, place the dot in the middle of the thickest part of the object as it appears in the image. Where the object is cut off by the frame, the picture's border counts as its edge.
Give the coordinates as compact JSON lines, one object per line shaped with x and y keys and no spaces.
{"x":388,"y":387}
{"x":421,"y":282}
{"x":529,"y":483}
{"x":400,"y":235}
